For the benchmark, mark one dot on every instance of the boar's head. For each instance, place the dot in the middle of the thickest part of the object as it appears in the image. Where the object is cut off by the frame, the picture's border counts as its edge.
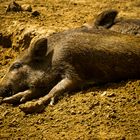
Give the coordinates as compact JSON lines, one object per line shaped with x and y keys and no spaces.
{"x":27,"y":69}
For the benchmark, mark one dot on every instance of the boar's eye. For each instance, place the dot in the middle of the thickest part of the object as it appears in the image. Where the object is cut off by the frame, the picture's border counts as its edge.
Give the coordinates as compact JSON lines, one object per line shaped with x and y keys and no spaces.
{"x":16,"y":65}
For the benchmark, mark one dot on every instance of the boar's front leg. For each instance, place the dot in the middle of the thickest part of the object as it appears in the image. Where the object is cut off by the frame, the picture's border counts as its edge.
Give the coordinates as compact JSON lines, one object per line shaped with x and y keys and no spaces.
{"x":65,"y":84}
{"x":18,"y":97}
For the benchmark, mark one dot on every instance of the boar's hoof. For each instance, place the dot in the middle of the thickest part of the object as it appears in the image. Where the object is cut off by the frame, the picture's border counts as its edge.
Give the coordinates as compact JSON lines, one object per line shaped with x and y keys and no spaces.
{"x":32,"y":107}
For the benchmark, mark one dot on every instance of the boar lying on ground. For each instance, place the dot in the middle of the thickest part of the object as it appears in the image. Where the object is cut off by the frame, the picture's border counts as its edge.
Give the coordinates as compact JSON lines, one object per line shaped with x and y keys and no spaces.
{"x":107,"y":19}
{"x":68,"y":60}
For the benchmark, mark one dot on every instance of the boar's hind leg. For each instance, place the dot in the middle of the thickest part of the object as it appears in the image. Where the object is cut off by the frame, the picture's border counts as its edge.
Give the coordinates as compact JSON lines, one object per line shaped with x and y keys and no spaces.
{"x":19,"y":97}
{"x":39,"y":105}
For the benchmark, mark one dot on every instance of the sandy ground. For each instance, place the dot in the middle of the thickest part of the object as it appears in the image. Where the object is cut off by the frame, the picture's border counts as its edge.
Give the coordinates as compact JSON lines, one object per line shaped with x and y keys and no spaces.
{"x":103,"y":112}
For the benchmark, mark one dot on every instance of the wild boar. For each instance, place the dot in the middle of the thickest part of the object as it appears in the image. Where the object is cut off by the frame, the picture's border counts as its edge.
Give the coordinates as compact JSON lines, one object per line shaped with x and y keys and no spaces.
{"x":107,"y":19}
{"x":127,"y":26}
{"x":68,"y":60}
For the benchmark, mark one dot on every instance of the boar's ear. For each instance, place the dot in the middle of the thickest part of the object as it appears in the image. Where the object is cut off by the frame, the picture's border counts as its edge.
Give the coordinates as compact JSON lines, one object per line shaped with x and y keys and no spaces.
{"x":106,"y":18}
{"x":38,"y":48}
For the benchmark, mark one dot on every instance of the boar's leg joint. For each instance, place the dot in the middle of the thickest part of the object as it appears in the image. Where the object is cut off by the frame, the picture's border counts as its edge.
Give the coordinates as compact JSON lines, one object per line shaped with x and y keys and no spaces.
{"x":64,"y":85}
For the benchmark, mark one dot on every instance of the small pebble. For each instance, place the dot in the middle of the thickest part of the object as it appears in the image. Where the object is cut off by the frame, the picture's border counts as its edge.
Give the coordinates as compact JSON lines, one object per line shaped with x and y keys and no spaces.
{"x":35,"y":13}
{"x":26,"y":7}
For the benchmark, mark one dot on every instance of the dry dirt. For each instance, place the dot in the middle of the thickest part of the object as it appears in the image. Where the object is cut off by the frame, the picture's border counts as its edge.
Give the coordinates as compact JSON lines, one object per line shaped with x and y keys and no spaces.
{"x":103,"y":112}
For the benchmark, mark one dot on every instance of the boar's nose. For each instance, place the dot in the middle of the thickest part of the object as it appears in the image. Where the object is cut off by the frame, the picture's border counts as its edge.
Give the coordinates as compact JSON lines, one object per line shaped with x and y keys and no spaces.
{"x":5,"y":91}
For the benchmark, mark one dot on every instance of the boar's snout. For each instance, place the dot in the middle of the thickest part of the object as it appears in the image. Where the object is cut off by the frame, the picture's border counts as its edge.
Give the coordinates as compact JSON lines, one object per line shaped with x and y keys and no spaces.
{"x":10,"y":84}
{"x":5,"y":91}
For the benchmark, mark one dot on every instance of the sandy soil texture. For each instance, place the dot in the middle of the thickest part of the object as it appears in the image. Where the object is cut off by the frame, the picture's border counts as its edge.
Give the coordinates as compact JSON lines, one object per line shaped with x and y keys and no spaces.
{"x":109,"y":111}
